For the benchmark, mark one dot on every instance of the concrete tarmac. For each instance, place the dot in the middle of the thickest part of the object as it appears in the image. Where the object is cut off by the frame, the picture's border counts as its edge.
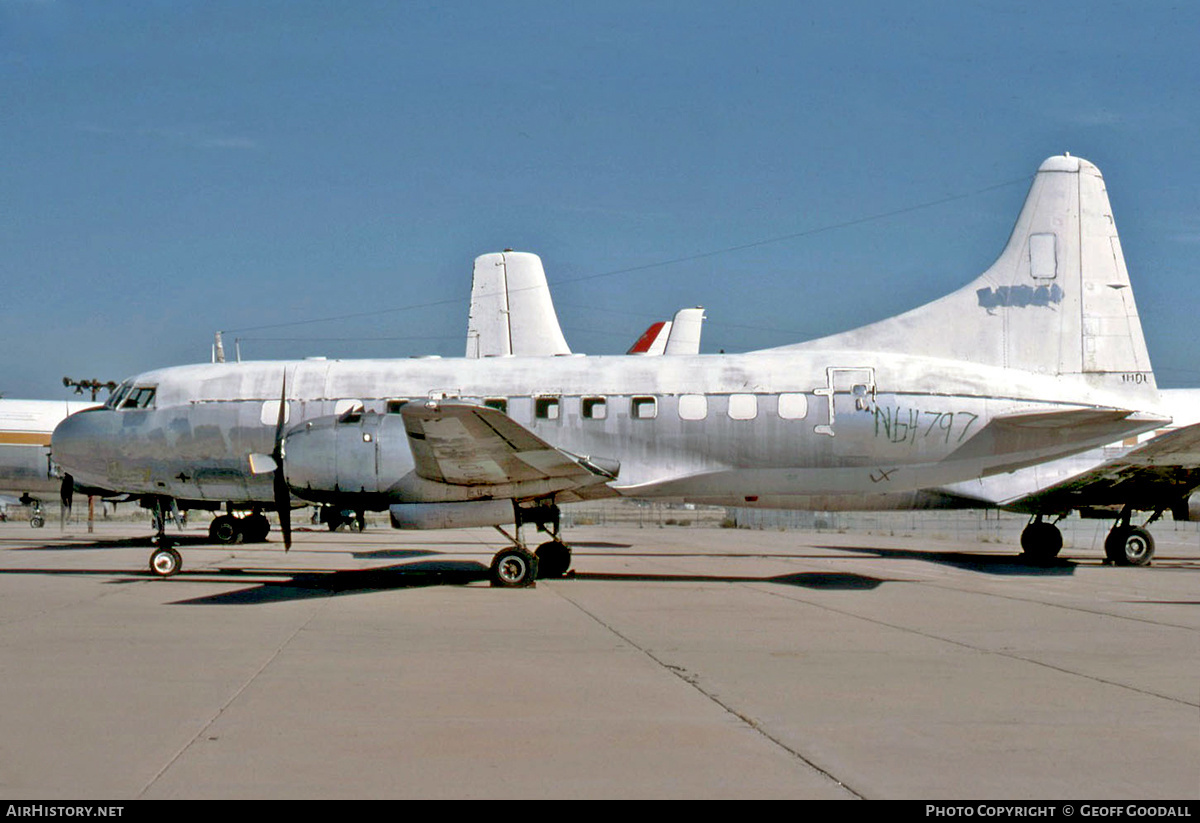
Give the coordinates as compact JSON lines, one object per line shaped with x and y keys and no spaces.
{"x":676,"y":663}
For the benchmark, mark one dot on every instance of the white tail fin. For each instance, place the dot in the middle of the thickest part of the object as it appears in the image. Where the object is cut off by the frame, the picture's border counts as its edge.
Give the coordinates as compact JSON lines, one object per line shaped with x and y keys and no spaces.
{"x":511,"y":309}
{"x":1057,"y":301}
{"x":684,"y":337}
{"x":678,"y":336}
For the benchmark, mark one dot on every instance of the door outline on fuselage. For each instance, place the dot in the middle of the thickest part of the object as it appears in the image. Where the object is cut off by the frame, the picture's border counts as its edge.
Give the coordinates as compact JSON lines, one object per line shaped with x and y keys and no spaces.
{"x":858,"y":381}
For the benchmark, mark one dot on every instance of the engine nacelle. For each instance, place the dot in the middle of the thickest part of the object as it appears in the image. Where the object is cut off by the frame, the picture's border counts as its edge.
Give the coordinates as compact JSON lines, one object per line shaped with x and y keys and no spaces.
{"x":1187,"y":509}
{"x":464,"y":515}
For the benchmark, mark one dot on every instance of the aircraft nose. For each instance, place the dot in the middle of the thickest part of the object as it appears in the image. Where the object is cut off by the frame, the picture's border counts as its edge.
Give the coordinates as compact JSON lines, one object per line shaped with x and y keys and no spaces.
{"x":80,"y":445}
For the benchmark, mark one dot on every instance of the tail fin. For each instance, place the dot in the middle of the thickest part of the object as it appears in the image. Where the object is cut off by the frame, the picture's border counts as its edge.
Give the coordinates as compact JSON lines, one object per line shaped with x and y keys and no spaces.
{"x":511,"y":309}
{"x":678,"y":336}
{"x":684,"y":337}
{"x":1057,"y":301}
{"x":653,"y":339}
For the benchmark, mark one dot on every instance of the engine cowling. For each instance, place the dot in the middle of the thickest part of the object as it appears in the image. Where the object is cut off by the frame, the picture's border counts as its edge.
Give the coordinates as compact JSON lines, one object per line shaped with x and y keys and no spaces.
{"x":464,"y":515}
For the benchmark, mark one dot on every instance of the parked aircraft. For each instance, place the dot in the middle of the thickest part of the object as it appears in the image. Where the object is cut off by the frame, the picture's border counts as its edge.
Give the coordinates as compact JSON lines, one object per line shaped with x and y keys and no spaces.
{"x":1113,"y":481}
{"x":680,"y":335}
{"x":1040,"y":357}
{"x":26,"y":470}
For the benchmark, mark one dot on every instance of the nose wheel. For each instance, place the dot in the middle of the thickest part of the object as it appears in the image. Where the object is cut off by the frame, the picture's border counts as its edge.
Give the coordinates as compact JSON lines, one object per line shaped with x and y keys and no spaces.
{"x":165,"y":561}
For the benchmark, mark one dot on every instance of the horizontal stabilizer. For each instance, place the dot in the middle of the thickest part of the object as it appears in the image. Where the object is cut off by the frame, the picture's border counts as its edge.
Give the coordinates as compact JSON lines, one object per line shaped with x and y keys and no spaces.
{"x":1051,"y":434}
{"x":1155,"y":476}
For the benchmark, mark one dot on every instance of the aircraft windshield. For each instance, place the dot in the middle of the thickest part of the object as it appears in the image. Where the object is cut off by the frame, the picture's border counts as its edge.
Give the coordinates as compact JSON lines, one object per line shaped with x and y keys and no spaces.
{"x":114,"y":399}
{"x":141,"y":397}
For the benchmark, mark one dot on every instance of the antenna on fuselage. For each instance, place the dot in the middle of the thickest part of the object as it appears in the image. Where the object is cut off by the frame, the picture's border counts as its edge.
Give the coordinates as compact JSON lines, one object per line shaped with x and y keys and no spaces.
{"x":218,"y":350}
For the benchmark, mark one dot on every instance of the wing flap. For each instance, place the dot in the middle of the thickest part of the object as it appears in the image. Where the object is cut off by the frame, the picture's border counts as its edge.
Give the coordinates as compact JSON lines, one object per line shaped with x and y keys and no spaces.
{"x":467,"y":445}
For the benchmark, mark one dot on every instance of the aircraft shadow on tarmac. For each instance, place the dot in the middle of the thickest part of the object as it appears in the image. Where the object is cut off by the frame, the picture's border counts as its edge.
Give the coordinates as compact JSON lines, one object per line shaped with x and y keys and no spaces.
{"x":282,"y":585}
{"x":1008,"y":564}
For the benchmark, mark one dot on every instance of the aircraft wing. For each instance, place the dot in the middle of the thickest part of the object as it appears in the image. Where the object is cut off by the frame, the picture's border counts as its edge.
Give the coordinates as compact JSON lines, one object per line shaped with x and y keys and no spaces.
{"x":1158,"y":474}
{"x":463,"y":444}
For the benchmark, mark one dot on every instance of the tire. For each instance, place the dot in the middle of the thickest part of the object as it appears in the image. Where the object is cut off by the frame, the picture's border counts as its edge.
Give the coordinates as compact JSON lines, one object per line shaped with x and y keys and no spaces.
{"x":554,"y":558}
{"x":165,"y":562}
{"x":225,"y":530}
{"x":1129,"y":546}
{"x":1041,"y":542}
{"x":514,"y":569}
{"x":255,"y":528}
{"x":37,"y":521}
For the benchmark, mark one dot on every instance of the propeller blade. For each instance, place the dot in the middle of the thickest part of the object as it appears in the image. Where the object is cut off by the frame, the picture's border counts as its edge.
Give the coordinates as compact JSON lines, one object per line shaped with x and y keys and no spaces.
{"x":283,"y":502}
{"x":66,"y":494}
{"x":283,"y":497}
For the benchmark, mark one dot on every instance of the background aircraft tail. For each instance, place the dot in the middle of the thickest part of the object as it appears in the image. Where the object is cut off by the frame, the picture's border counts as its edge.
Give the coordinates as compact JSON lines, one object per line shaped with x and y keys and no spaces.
{"x":1057,"y":301}
{"x":511,"y":310}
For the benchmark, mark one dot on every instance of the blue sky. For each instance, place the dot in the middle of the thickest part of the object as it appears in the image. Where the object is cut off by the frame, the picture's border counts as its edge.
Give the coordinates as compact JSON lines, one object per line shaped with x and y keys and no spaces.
{"x":173,"y":168}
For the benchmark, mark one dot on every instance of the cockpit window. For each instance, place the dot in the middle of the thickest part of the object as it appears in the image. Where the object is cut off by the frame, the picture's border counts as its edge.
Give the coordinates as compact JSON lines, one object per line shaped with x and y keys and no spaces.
{"x":141,"y":397}
{"x":114,"y":399}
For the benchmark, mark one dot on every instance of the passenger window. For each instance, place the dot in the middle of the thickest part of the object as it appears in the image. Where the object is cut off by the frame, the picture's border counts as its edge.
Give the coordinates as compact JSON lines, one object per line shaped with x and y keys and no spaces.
{"x":693,"y":407}
{"x":500,"y":404}
{"x":743,"y":406}
{"x":644,"y":408}
{"x":793,"y":406}
{"x":594,"y":408}
{"x":270,"y":413}
{"x":546,"y":408}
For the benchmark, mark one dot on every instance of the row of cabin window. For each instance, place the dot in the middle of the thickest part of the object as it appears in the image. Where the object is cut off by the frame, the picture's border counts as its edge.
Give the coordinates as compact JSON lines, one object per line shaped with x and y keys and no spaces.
{"x":790,"y":406}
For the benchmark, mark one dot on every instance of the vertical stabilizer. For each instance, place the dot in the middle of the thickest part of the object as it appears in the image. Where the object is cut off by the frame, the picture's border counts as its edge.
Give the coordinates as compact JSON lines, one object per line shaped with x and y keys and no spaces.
{"x":511,"y":310}
{"x":684,"y":337}
{"x":1057,"y":301}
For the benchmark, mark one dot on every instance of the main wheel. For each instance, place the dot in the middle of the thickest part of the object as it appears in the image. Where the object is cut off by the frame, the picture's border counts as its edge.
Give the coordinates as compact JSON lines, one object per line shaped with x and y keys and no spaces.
{"x":1129,"y":546}
{"x":225,"y":529}
{"x":37,"y":521}
{"x":514,"y":568}
{"x":255,"y":528}
{"x":1041,"y":541}
{"x":165,"y":562}
{"x":554,"y":558}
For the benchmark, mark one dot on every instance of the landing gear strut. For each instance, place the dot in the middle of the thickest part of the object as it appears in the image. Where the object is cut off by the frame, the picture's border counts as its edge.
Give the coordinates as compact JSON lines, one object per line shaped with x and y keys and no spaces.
{"x":164,"y":560}
{"x":517,"y":567}
{"x":1041,"y":541}
{"x":1129,"y":545}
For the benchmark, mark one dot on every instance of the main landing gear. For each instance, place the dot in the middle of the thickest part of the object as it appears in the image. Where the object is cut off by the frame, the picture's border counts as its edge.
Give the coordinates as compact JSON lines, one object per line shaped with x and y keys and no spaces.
{"x":516,"y":566}
{"x":1125,"y":545}
{"x":227,"y":529}
{"x":1129,"y":545}
{"x":1041,"y":541}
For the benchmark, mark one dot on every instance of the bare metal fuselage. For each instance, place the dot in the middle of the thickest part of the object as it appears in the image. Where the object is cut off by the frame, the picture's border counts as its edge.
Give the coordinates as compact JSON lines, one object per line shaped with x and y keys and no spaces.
{"x":797,"y":429}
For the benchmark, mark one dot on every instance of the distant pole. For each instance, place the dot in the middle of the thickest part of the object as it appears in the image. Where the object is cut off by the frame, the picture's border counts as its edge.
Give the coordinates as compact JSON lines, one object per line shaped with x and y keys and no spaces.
{"x":94,"y":386}
{"x":91,"y":513}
